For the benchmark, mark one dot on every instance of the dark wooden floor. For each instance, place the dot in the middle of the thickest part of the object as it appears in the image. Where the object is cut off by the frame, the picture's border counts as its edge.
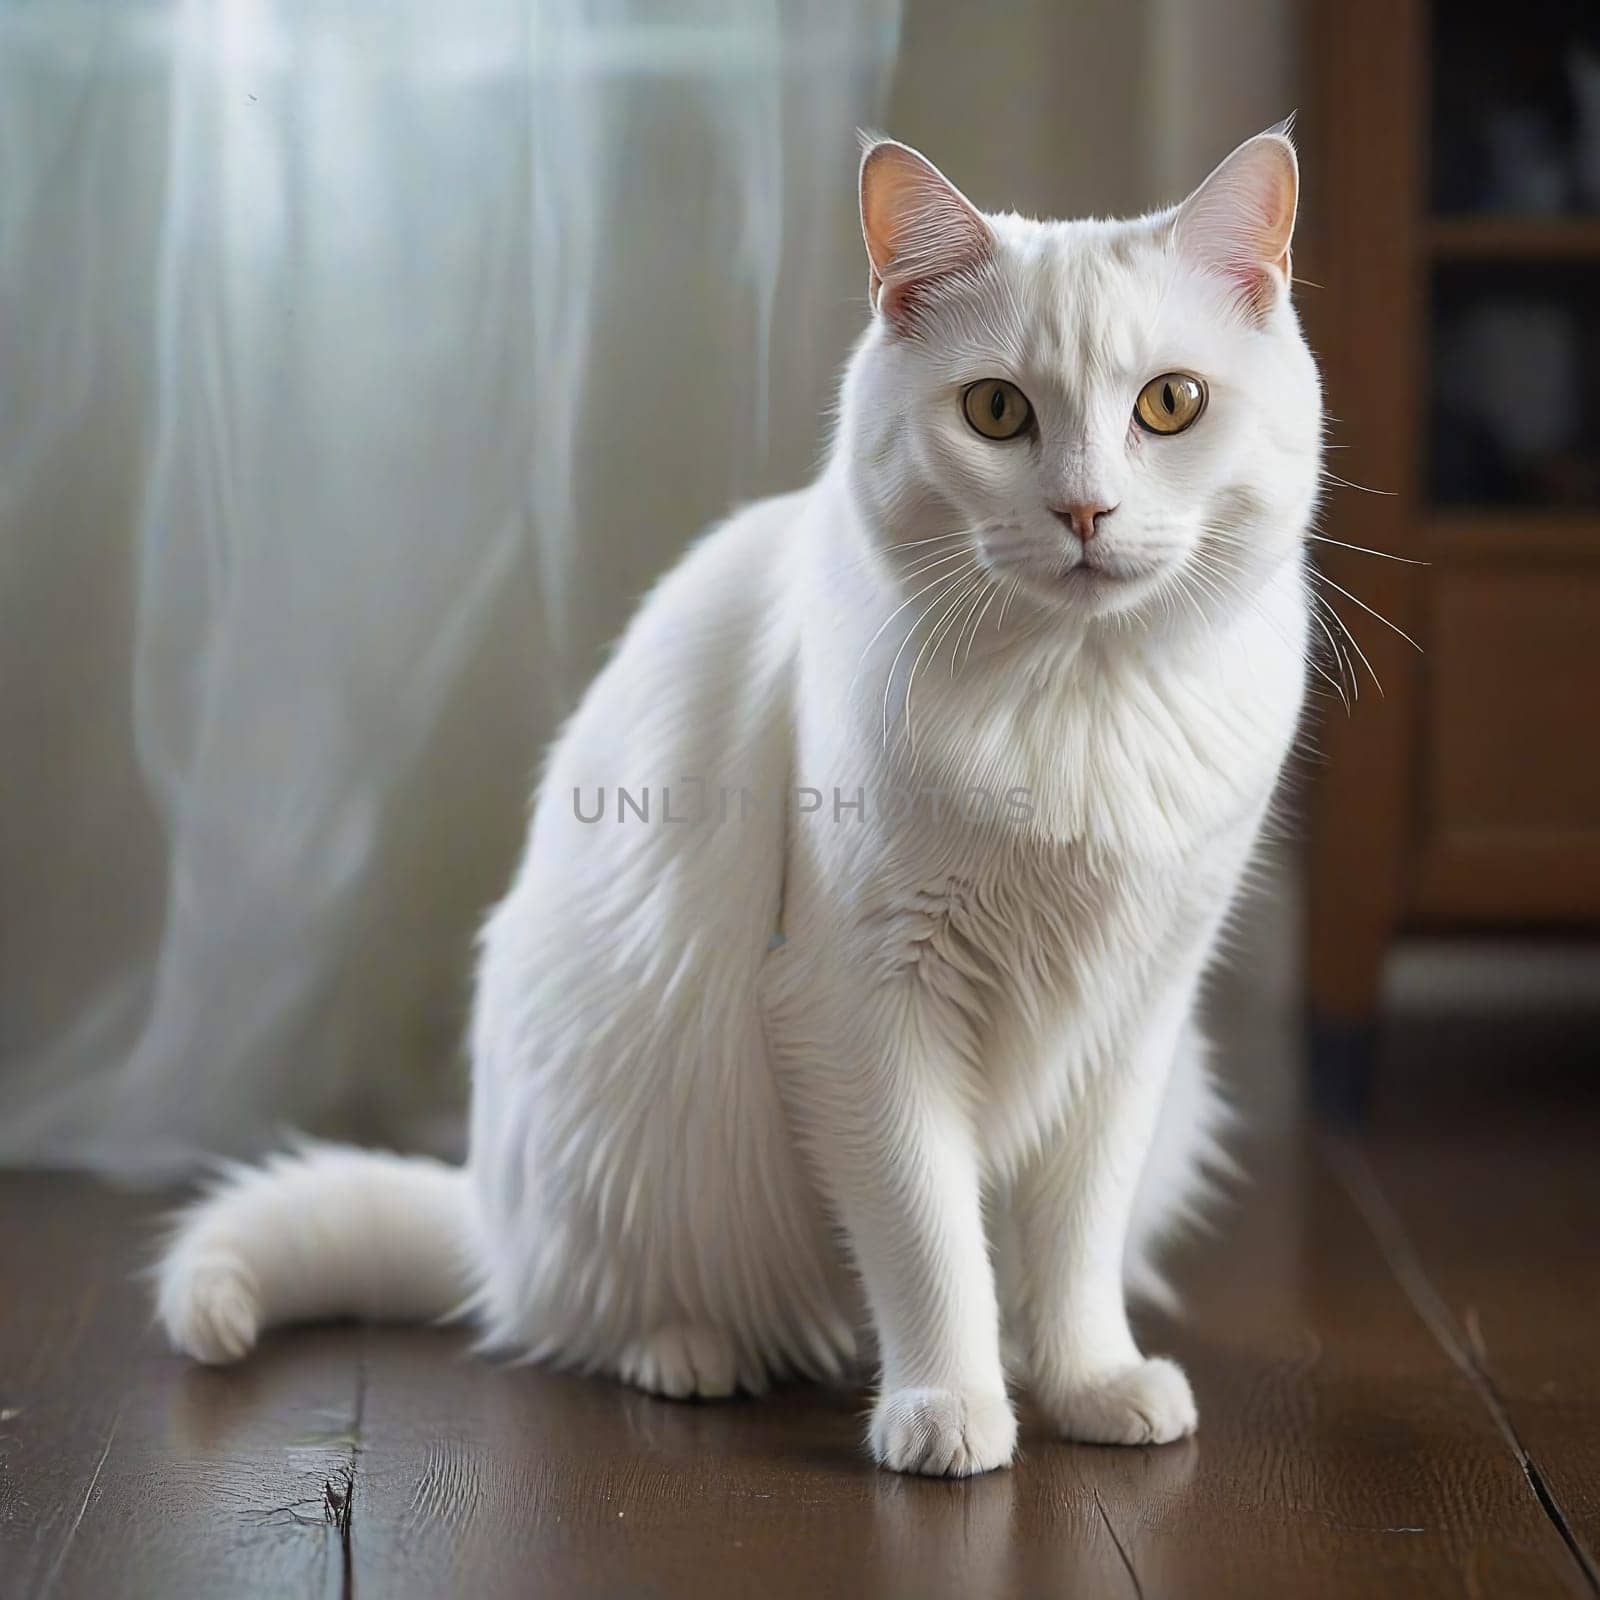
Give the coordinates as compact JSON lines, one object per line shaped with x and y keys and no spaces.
{"x":1394,"y":1344}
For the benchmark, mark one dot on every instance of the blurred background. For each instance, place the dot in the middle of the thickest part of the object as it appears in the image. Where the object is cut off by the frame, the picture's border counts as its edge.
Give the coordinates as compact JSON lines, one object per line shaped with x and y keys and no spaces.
{"x":360,"y":366}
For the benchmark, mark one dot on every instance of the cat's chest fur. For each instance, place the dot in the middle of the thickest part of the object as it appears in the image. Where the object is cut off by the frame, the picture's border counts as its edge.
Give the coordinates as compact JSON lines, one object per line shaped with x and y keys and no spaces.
{"x":1043,"y":961}
{"x":1122,"y":798}
{"x":1132,"y":760}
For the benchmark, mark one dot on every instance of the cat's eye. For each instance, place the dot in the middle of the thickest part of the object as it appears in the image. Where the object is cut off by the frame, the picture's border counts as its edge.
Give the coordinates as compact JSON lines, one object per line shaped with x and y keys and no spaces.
{"x":995,"y":408}
{"x":1170,"y":403}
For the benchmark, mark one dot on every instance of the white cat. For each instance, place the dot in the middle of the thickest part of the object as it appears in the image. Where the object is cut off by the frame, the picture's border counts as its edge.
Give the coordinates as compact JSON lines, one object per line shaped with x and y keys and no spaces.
{"x":891,"y":1042}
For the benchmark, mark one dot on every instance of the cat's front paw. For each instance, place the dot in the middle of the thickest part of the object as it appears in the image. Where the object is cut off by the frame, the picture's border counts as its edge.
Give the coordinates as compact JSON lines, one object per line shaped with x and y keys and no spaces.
{"x":943,"y":1433}
{"x":1148,"y":1403}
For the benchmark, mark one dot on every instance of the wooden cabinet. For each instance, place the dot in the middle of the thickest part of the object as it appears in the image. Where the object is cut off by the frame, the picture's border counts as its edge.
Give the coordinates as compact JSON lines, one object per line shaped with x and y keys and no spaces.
{"x":1457,"y":316}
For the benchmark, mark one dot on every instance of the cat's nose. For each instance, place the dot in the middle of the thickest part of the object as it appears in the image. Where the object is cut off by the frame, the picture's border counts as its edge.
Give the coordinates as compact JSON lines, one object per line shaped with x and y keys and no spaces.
{"x":1083,"y":519}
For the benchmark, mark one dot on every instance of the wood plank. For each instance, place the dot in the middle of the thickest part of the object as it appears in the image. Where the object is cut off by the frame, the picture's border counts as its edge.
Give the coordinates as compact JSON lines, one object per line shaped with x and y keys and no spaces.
{"x":500,"y":1480}
{"x":1341,"y":1452}
{"x":1492,"y":1176}
{"x":126,"y":1471}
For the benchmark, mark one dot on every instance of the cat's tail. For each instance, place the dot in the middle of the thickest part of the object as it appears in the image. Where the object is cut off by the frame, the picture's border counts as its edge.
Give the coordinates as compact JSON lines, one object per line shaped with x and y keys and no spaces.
{"x":327,"y":1231}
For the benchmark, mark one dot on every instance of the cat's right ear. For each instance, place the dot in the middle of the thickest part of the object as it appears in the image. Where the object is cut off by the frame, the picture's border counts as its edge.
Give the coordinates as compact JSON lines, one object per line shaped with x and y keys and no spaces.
{"x":919,"y":229}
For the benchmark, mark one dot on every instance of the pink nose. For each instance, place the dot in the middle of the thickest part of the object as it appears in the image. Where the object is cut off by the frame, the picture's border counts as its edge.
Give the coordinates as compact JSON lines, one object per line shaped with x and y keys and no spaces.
{"x":1084,"y":520}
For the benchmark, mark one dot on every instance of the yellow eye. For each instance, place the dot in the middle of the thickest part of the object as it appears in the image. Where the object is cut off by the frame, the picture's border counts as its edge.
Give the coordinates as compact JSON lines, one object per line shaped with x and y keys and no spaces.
{"x":996,"y":409}
{"x":1170,"y":403}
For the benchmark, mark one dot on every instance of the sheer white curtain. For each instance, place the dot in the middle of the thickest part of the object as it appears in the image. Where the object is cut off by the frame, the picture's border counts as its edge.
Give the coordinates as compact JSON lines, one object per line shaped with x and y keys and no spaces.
{"x":359,"y":364}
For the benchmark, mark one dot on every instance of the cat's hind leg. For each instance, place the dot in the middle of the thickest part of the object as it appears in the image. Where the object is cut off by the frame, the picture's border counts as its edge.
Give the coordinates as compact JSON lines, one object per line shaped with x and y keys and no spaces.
{"x":1185,"y":1171}
{"x":684,"y":1362}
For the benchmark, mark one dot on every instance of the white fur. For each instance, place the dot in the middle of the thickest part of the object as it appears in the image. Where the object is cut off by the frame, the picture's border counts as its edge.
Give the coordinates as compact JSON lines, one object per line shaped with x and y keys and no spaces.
{"x":964,"y":1090}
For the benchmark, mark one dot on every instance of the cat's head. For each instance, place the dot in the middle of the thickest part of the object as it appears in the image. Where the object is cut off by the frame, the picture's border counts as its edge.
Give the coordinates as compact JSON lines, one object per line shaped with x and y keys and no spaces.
{"x":1121,"y":416}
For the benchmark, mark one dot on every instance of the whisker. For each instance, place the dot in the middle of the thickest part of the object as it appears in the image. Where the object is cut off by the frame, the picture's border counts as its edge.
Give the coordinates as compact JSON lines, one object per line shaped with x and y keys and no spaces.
{"x":1233,"y":589}
{"x":1232,"y":536}
{"x":972,"y":639}
{"x":927,"y":563}
{"x":1410,"y":561}
{"x":923,"y":560}
{"x":1394,"y":627}
{"x":931,"y":643}
{"x":1338,"y":655}
{"x":1346,"y":483}
{"x":1198,"y":574}
{"x":850,"y":689}
{"x":911,"y":544}
{"x":1344,"y":628}
{"x":951,"y":580}
{"x":1011,"y":594}
{"x":1185,"y":593}
{"x":1346,"y":664}
{"x":955,"y":648}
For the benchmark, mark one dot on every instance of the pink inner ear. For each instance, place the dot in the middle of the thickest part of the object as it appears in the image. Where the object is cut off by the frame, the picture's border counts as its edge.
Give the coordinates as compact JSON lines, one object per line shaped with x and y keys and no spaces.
{"x":1239,"y":222}
{"x":1258,"y":286}
{"x":919,"y":228}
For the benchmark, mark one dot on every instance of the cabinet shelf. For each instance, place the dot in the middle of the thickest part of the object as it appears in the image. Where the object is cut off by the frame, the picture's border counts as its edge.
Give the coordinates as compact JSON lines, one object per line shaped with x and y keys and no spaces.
{"x":1499,"y":237}
{"x":1512,"y":533}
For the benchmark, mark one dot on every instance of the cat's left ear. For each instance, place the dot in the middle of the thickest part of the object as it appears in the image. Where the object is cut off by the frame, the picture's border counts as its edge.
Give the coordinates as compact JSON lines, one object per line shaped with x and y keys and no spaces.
{"x":918,"y":226}
{"x":1240,"y":221}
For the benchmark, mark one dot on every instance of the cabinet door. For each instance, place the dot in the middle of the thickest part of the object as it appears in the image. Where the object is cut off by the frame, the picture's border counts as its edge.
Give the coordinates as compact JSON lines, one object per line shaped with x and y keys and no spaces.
{"x":1511,"y":792}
